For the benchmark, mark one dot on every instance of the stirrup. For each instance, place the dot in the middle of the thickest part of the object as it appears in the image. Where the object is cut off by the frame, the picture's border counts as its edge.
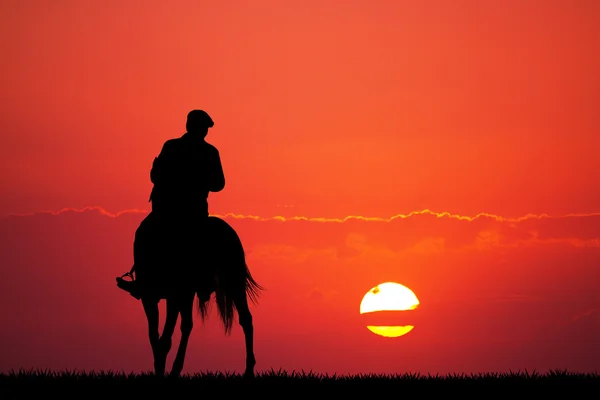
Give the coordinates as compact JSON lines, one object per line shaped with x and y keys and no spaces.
{"x":130,"y":287}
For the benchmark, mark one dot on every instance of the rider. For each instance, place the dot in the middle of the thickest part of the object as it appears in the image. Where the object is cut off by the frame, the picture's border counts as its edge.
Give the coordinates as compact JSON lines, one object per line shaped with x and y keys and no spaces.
{"x":183,"y":174}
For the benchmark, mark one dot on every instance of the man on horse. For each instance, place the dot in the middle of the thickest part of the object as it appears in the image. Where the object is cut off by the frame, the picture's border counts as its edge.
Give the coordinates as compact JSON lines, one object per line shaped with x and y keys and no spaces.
{"x":183,"y":174}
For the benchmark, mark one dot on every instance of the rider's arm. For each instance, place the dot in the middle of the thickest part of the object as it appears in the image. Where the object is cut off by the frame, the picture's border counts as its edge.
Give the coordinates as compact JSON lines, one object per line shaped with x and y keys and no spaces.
{"x":216,"y":176}
{"x":158,"y":169}
{"x":154,"y":172}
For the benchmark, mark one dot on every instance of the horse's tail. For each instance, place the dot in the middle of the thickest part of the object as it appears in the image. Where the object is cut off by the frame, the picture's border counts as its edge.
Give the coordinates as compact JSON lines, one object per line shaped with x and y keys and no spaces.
{"x":252,"y":287}
{"x":232,"y":278}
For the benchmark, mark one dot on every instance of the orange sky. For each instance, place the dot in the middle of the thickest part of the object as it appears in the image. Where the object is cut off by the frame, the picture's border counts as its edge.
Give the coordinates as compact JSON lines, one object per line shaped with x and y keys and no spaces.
{"x":371,"y":109}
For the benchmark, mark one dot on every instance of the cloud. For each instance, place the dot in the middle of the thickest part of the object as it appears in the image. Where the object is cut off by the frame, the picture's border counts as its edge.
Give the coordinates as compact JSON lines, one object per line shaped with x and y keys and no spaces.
{"x":592,"y":314}
{"x":444,"y":214}
{"x":321,"y":295}
{"x":97,"y":209}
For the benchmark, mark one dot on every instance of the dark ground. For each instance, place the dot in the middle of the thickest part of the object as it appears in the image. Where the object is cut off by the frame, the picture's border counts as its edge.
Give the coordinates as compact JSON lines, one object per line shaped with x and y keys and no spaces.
{"x":274,"y":384}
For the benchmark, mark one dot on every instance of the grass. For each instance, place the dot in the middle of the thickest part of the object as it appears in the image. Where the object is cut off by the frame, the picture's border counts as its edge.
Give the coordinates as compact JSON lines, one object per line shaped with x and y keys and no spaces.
{"x":23,"y":384}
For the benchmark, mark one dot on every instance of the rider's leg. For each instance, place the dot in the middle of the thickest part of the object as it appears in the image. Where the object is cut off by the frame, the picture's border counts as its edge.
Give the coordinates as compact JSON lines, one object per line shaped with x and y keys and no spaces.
{"x":142,"y":239}
{"x":141,"y":245}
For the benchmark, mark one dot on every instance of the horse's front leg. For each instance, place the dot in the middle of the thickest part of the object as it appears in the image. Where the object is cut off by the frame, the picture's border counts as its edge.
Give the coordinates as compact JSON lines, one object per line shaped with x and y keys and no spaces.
{"x":187,"y":323}
{"x":151,"y":310}
{"x":165,"y":341}
{"x":245,"y":320}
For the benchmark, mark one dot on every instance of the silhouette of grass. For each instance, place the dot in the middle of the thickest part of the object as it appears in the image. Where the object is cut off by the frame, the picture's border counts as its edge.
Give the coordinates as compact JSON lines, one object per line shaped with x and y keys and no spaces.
{"x":26,"y":383}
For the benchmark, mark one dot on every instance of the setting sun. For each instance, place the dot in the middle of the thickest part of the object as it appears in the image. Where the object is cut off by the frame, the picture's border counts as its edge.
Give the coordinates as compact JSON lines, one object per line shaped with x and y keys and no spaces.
{"x":390,"y":331}
{"x":389,"y":296}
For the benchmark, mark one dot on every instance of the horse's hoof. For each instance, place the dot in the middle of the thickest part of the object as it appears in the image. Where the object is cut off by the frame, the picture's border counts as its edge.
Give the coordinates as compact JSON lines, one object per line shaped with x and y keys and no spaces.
{"x":159,"y":368}
{"x":176,"y":372}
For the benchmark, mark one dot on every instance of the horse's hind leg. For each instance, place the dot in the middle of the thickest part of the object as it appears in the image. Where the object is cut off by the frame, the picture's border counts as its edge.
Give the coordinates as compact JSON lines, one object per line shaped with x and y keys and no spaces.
{"x":151,"y":310}
{"x":186,"y":325}
{"x":245,"y":320}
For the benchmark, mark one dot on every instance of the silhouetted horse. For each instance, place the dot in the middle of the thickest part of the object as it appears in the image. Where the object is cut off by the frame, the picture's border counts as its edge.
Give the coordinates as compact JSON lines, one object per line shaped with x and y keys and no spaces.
{"x":214,"y":264}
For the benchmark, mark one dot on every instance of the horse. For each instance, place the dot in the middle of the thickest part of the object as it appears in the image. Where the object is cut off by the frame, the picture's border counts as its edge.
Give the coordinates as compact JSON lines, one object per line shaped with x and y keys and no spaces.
{"x":216,"y":265}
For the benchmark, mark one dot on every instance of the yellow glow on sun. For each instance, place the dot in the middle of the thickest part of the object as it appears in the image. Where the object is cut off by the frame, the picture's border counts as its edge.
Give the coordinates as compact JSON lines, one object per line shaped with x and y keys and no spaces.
{"x":389,"y":296}
{"x":390,"y":331}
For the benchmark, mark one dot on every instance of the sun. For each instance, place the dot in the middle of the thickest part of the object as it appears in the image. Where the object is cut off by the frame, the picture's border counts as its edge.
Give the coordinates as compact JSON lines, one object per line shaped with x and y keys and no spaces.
{"x":389,"y":296}
{"x":390,"y":331}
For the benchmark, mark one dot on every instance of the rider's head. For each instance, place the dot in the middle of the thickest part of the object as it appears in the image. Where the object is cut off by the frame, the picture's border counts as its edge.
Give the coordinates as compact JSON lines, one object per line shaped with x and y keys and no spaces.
{"x":198,"y":122}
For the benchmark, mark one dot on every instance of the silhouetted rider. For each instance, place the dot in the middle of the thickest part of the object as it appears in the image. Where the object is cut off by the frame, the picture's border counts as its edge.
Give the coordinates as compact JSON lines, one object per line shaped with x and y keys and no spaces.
{"x":186,"y":170}
{"x":183,"y":174}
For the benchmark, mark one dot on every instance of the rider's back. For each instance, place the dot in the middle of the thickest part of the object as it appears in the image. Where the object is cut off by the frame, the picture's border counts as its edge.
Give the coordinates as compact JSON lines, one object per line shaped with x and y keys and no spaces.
{"x":185,"y":171}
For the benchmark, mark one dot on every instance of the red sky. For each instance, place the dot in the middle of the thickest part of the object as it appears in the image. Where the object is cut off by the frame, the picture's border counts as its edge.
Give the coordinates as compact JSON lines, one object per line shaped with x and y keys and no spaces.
{"x":370,"y":109}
